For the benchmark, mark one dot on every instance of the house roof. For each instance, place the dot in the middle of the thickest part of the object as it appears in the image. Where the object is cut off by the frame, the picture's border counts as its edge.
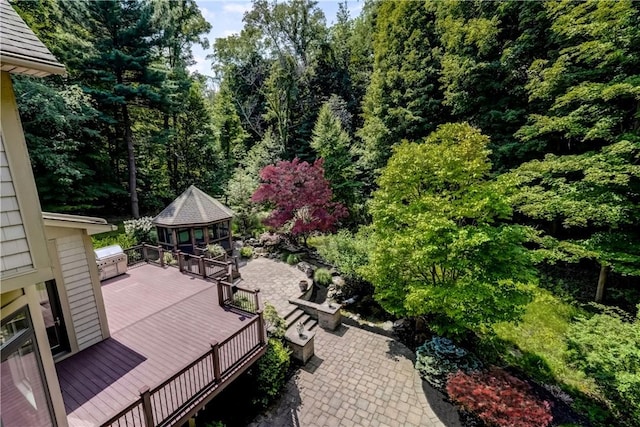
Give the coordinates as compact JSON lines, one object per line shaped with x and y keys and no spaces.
{"x":21,"y":52}
{"x":93,"y":225}
{"x":193,"y":207}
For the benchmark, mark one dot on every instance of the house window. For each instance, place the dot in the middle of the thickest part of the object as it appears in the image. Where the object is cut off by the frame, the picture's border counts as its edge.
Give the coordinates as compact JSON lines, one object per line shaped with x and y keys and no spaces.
{"x":25,"y":398}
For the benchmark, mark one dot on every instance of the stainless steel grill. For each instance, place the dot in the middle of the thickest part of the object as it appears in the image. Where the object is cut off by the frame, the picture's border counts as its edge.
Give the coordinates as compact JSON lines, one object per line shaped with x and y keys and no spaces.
{"x":111,"y":260}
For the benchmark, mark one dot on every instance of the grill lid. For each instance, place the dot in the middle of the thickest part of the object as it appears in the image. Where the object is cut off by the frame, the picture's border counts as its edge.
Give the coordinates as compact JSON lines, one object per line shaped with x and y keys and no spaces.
{"x":108,"y":251}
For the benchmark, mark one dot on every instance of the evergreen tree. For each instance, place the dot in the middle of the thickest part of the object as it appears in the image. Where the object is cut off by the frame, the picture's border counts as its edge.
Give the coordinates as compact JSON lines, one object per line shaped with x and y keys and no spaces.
{"x":333,"y":144}
{"x":403,"y":100}
{"x":118,"y":70}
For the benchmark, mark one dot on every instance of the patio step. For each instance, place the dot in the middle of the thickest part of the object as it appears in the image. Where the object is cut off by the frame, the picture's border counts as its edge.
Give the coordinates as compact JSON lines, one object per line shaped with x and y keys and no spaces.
{"x":298,"y":315}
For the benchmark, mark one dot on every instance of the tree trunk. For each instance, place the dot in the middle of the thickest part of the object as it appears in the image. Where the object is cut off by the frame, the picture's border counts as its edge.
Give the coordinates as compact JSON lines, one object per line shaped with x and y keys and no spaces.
{"x":169,"y":151}
{"x":602,"y":280}
{"x":128,"y":136}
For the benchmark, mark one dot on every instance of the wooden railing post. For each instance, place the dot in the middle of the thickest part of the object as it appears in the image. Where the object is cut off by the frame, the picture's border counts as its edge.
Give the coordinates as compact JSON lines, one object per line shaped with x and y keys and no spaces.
{"x":256,"y":297}
{"x":146,"y":406}
{"x":220,"y":293}
{"x":230,"y":271}
{"x":161,"y":255}
{"x":261,"y":329}
{"x":180,"y":259}
{"x":215,"y":351}
{"x":145,"y":255}
{"x":203,"y":270}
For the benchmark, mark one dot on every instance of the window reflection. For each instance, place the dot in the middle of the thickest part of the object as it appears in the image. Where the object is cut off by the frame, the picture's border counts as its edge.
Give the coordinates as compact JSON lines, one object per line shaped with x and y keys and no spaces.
{"x":23,"y":400}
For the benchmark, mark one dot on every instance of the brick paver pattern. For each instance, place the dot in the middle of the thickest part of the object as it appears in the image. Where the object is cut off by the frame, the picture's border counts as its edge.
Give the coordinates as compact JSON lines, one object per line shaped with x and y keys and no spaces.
{"x":356,"y":378}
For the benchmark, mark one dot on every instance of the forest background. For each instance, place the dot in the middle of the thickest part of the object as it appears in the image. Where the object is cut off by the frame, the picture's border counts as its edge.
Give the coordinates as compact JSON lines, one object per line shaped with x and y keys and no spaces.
{"x":550,"y":90}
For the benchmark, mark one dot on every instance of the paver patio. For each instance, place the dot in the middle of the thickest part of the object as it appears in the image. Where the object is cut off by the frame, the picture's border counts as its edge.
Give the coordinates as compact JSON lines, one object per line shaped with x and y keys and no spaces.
{"x":356,"y":378}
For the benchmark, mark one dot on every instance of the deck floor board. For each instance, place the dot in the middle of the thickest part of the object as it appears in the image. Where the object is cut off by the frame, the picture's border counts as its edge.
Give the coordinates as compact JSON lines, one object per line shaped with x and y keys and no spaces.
{"x":160,"y":320}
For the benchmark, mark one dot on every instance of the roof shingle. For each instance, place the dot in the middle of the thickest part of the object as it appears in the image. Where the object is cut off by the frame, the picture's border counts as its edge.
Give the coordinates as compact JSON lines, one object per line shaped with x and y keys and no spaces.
{"x":193,"y":207}
{"x":20,"y":50}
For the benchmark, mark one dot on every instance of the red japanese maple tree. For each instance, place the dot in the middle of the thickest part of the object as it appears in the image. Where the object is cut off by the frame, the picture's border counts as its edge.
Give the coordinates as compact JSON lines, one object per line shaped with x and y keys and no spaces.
{"x":301,"y":197}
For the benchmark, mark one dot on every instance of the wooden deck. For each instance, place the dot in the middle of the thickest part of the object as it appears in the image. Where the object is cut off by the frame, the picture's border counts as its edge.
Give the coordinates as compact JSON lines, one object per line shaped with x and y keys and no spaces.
{"x":160,"y":321}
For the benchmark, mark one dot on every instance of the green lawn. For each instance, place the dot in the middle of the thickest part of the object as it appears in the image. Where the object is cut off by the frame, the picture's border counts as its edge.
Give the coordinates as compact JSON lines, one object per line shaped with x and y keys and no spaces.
{"x":537,"y":346}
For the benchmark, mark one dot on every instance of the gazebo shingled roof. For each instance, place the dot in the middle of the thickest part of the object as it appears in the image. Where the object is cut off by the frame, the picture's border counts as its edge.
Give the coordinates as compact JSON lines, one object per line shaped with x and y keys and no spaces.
{"x":193,"y":207}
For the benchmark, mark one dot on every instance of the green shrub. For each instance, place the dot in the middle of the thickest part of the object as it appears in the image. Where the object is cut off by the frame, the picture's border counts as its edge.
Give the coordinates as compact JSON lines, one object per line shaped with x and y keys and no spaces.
{"x":141,"y":230}
{"x":246,"y":251}
{"x":271,"y":372}
{"x":169,"y":259}
{"x":347,"y":252}
{"x":322,"y":276}
{"x":607,"y":348}
{"x":438,"y":358}
{"x":276,"y":325}
{"x":108,"y":239}
{"x":215,"y":250}
{"x":292,"y":259}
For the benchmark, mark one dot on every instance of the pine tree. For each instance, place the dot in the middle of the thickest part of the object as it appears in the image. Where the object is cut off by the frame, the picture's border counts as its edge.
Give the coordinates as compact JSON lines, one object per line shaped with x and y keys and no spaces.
{"x":118,"y":69}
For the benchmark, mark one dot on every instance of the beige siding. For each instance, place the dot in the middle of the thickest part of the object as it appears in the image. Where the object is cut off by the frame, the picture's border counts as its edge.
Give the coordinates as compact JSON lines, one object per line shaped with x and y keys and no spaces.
{"x":79,"y":288}
{"x":14,"y":248}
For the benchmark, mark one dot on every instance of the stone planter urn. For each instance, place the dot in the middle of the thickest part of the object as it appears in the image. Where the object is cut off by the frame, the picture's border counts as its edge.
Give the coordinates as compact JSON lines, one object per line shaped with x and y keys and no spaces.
{"x":304,"y":285}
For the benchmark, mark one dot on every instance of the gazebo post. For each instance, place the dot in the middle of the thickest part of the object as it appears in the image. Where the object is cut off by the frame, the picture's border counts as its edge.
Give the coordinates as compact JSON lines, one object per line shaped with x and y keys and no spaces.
{"x":175,"y":239}
{"x":230,"y":236}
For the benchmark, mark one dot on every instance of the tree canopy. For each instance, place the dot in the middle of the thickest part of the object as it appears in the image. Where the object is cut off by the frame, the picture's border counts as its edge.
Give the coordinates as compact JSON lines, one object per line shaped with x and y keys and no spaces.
{"x":442,"y":247}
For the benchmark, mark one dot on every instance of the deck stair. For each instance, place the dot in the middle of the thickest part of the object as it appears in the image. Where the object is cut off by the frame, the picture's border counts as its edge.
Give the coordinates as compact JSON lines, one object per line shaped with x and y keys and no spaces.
{"x":297,"y":315}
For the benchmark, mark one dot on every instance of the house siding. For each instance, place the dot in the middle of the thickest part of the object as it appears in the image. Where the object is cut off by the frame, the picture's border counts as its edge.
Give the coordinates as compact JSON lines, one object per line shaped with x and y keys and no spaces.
{"x":14,"y":249}
{"x":79,"y":288}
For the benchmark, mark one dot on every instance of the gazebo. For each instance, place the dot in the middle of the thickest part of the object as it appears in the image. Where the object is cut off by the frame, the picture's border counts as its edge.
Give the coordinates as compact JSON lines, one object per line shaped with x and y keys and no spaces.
{"x":194,"y":219}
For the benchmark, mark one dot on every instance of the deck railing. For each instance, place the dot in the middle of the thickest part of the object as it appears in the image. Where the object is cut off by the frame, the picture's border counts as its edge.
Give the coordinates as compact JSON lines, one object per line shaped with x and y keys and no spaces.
{"x":200,"y":265}
{"x":185,"y":392}
{"x":238,"y":297}
{"x":220,"y":271}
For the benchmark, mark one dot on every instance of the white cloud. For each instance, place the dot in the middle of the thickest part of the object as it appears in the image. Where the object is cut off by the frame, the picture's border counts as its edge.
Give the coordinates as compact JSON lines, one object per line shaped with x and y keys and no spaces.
{"x":202,"y":66}
{"x":236,"y":7}
{"x":228,"y":33}
{"x":354,"y":11}
{"x":207,"y":14}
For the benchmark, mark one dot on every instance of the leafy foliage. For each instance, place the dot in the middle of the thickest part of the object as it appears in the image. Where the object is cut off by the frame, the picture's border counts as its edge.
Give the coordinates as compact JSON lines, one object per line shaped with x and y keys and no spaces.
{"x":322,"y":276}
{"x":215,"y":250}
{"x":292,"y":259}
{"x":332,"y":143}
{"x":607,"y":347}
{"x":440,"y":246}
{"x":141,"y":230}
{"x":60,"y":124}
{"x":301,"y":197}
{"x":438,"y":358}
{"x":346,"y":251}
{"x":271,"y":370}
{"x":499,"y":399}
{"x":246,"y":251}
{"x":276,"y":325}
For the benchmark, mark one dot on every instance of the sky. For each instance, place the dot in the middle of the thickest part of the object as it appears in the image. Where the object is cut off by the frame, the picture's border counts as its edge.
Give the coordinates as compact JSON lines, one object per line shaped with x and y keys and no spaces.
{"x":225,"y":18}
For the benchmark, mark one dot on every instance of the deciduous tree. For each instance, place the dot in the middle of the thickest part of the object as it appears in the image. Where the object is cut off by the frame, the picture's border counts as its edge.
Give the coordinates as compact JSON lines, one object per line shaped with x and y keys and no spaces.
{"x":300,"y":197}
{"x":442,"y":247}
